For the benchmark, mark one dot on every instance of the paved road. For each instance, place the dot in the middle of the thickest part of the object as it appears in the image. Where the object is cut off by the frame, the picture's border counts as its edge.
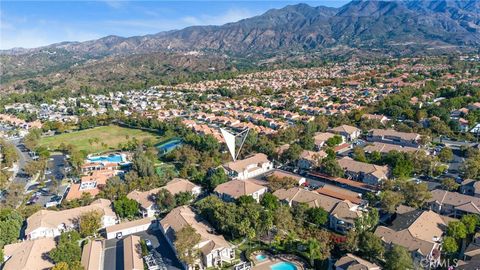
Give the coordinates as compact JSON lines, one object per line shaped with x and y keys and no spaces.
{"x":24,"y":157}
{"x":113,"y":253}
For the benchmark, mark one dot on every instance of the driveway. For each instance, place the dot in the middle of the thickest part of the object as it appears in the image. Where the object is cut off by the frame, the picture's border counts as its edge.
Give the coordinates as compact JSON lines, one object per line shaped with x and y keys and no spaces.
{"x":113,"y":253}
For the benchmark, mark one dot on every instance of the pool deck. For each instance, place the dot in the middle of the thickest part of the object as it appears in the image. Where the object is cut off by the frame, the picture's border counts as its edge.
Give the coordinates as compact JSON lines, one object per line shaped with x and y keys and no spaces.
{"x":274,"y":259}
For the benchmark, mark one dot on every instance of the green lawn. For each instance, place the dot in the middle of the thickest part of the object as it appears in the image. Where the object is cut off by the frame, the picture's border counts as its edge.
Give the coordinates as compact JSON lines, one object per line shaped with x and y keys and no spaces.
{"x":110,"y":136}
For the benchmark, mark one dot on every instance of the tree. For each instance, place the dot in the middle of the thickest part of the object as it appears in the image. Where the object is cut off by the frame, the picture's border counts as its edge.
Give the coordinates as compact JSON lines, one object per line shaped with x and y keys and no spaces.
{"x":269,"y":201}
{"x":183,"y":198}
{"x":449,"y":245}
{"x":367,"y":221}
{"x":115,"y":188}
{"x":317,"y":216}
{"x":449,"y":184}
{"x":398,"y":258}
{"x":471,"y":167}
{"x":10,"y":225}
{"x":34,"y":167}
{"x":68,"y":249}
{"x":292,"y":153}
{"x":445,"y":155}
{"x":313,"y":250}
{"x":359,"y":154}
{"x":125,"y":207}
{"x":61,"y":266}
{"x":165,"y":200}
{"x":283,"y":219}
{"x":351,"y":241}
{"x":416,"y":194}
{"x":215,"y":177}
{"x":334,"y":141}
{"x":457,"y":230}
{"x":370,"y":246}
{"x":331,"y":167}
{"x":185,"y":241}
{"x":90,"y":223}
{"x":390,"y":200}
{"x":470,"y":221}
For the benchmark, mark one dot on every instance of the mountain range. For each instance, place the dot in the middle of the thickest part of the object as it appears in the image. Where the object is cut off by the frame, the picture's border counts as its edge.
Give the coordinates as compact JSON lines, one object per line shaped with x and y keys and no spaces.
{"x":398,"y":28}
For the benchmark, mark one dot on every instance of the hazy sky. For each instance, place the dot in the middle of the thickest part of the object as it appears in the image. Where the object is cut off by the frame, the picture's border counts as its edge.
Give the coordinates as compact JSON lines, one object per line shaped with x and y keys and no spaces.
{"x":31,"y":24}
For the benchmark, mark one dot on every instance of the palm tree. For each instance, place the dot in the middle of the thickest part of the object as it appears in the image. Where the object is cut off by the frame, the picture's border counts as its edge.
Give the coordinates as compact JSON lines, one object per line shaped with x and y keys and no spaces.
{"x":314,"y":251}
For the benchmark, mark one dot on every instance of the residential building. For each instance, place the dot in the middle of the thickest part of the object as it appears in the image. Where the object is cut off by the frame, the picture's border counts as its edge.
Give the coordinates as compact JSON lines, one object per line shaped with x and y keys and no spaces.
{"x":385,"y":148}
{"x":376,"y":117}
{"x":453,"y":203}
{"x":92,"y":255}
{"x":352,"y":262}
{"x":310,"y":159}
{"x":234,"y":189}
{"x":249,"y":167}
{"x":132,"y":253}
{"x":342,"y":213}
{"x":367,"y":173}
{"x":28,"y":255}
{"x":147,"y":201}
{"x":348,"y":132}
{"x":91,"y":183}
{"x":282,"y":174}
{"x":321,"y":138}
{"x":420,"y":232}
{"x":214,"y":249}
{"x":470,"y":187}
{"x":49,"y":223}
{"x":394,"y":137}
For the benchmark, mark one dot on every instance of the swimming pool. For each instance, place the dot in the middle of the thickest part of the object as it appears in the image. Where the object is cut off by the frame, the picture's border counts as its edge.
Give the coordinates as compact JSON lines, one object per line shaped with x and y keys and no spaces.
{"x":261,"y":257}
{"x":283,"y":266}
{"x":109,"y":158}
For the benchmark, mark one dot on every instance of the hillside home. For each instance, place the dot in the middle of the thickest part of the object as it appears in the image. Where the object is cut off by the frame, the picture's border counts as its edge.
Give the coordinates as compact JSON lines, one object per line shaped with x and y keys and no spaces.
{"x":29,"y":254}
{"x":352,"y":262}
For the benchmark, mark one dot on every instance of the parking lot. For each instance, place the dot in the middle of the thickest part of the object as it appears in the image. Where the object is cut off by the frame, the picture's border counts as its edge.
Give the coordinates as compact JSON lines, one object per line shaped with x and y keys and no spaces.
{"x":113,"y":253}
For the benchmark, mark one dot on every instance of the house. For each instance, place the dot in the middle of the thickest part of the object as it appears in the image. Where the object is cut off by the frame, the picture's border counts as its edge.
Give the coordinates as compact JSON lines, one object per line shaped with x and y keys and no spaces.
{"x":309,"y":159}
{"x":367,"y":173}
{"x":453,"y":203}
{"x":148,"y":206}
{"x":470,"y":187}
{"x":49,"y":223}
{"x":352,"y":262}
{"x":249,"y":167}
{"x":385,"y":148}
{"x":214,"y":249}
{"x":472,"y":251}
{"x":348,"y":132}
{"x":394,"y":137}
{"x":132,"y":253}
{"x":342,"y":214}
{"x":28,"y":255}
{"x":92,"y":255}
{"x":376,"y":117}
{"x":321,"y":138}
{"x":130,"y":227}
{"x":234,"y":189}
{"x":282,"y":174}
{"x":420,"y":232}
{"x":91,"y":183}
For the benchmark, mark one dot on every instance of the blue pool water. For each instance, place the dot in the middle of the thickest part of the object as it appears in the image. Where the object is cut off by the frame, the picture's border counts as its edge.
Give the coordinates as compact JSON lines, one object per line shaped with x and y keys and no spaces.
{"x":112,"y":158}
{"x":260,"y":257}
{"x":283,"y":266}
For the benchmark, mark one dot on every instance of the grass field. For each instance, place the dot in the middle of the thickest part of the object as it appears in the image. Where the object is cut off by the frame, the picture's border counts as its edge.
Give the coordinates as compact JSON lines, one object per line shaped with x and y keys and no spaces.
{"x":99,"y":139}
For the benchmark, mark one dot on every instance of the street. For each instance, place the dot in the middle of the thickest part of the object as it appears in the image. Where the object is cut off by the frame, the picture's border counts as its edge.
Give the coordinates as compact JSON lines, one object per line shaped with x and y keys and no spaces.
{"x":113,"y":253}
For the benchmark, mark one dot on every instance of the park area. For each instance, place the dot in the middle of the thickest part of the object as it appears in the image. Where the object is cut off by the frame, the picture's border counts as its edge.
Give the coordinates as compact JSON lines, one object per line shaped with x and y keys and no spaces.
{"x":99,"y":139}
